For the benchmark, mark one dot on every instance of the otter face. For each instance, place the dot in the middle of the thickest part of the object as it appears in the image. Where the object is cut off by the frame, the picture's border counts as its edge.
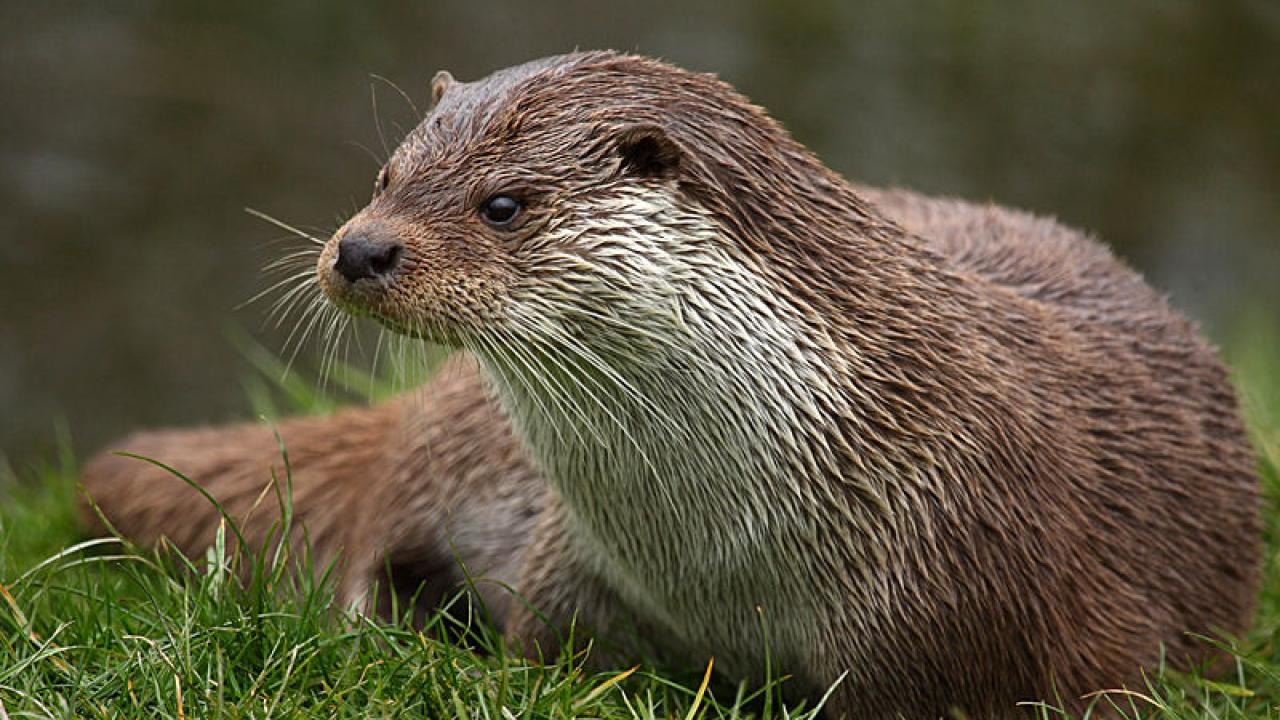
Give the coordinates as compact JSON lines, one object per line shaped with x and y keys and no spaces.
{"x":514,"y":209}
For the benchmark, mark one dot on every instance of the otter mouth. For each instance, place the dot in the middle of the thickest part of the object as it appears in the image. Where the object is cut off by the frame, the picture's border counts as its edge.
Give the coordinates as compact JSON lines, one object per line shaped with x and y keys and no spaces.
{"x":426,"y":332}
{"x":419,"y":331}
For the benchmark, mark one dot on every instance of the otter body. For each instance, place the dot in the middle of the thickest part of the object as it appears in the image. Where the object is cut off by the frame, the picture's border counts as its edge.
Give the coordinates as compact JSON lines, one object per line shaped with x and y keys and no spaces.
{"x":959,"y":456}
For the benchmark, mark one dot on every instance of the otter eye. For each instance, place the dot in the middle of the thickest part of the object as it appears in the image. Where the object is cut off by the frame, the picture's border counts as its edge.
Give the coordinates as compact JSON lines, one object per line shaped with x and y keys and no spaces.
{"x":500,"y":209}
{"x":384,"y":179}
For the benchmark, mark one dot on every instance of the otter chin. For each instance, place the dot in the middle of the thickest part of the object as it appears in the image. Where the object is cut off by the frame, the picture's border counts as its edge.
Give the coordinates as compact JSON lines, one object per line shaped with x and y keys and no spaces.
{"x":939,"y":464}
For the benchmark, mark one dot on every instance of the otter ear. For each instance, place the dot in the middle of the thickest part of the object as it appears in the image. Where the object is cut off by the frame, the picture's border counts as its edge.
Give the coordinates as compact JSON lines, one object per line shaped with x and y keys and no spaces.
{"x":646,"y":150}
{"x":439,"y":85}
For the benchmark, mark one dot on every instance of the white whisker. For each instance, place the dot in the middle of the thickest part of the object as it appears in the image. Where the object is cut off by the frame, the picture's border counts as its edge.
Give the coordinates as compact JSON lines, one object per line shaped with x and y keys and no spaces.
{"x":283,"y":225}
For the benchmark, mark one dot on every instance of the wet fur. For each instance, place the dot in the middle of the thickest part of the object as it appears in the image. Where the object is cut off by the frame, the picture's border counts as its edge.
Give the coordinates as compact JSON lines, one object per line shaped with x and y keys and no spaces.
{"x":959,"y":454}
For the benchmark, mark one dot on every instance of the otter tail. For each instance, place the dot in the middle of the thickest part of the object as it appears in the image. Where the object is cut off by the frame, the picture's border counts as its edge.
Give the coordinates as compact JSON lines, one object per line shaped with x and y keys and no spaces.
{"x":182,"y":484}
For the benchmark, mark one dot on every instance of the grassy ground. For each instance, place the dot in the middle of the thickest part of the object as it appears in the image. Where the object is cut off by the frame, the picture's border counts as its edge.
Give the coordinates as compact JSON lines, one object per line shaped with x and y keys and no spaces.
{"x":101,"y":629}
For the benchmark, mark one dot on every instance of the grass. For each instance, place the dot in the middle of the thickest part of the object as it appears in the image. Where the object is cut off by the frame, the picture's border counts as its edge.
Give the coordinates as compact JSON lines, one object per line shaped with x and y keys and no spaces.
{"x":98,"y":628}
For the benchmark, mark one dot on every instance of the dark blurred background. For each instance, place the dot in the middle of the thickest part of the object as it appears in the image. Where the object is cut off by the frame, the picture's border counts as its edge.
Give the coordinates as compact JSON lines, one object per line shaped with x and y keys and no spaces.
{"x":133,"y":134}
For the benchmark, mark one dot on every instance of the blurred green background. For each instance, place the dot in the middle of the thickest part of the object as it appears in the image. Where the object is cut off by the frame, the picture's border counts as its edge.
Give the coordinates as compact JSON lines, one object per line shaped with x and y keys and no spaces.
{"x":133,"y":134}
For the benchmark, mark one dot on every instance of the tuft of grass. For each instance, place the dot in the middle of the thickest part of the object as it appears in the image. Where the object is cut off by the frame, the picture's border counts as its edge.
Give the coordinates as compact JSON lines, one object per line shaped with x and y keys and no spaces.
{"x":103,"y":629}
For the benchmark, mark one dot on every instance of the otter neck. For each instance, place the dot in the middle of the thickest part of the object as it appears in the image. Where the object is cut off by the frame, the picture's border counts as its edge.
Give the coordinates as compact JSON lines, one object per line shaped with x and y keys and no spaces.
{"x":680,"y":414}
{"x":688,"y":454}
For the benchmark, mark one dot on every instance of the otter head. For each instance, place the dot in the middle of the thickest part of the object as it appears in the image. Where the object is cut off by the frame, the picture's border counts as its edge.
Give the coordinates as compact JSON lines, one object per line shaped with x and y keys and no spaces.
{"x":527,"y":202}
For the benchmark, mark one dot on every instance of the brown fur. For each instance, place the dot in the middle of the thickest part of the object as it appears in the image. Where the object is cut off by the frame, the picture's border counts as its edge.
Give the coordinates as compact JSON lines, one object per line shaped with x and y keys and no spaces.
{"x":414,"y":485}
{"x":1033,"y":476}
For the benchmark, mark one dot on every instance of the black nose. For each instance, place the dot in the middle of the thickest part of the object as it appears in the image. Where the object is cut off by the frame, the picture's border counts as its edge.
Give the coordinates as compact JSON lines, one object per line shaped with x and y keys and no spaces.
{"x":362,"y":256}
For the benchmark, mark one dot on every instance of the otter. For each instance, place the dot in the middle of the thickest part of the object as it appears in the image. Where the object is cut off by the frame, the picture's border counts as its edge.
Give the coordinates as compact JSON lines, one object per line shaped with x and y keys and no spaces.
{"x":719,"y":401}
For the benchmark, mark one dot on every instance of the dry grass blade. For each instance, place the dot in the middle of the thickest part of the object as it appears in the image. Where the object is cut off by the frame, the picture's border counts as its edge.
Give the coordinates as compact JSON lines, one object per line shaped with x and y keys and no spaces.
{"x":702,"y":691}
